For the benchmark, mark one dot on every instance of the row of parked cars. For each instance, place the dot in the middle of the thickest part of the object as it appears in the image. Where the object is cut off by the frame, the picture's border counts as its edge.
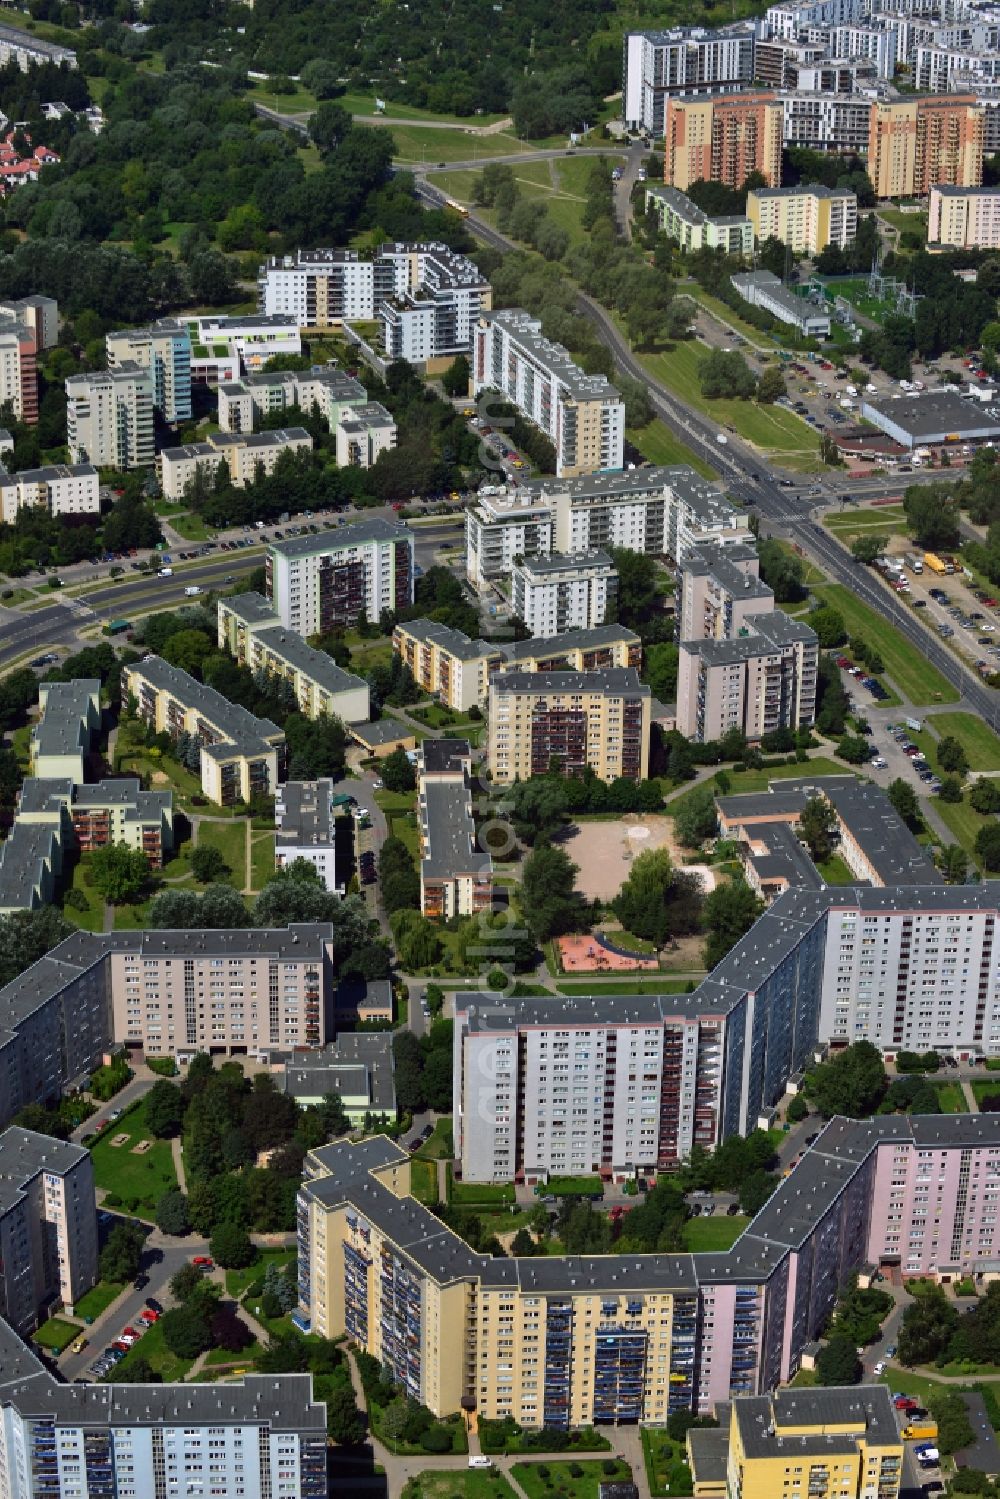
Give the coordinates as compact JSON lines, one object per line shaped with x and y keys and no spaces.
{"x":916,"y":756}
{"x":126,"y":1339}
{"x":859,"y":673}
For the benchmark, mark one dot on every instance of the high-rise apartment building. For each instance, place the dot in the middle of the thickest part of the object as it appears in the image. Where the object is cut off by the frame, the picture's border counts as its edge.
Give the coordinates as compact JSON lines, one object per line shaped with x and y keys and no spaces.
{"x":18,"y":370}
{"x":568,"y":591}
{"x":805,"y":218}
{"x":164,"y":349}
{"x":582,"y":415}
{"x":48,"y":1226}
{"x":58,"y":488}
{"x":722,"y":139}
{"x":341,"y":575}
{"x":40,"y":315}
{"x":826,"y":122}
{"x":918,"y":143}
{"x":685,"y":60}
{"x":964,"y":218}
{"x":573,"y":719}
{"x":109,"y":417}
{"x":251,"y":631}
{"x":756,"y":683}
{"x":456,"y":876}
{"x":720,"y":588}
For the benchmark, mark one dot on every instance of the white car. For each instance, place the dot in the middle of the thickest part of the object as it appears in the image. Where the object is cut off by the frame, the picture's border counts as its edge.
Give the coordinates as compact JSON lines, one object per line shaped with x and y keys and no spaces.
{"x":479,"y":1461}
{"x":880,"y":1366}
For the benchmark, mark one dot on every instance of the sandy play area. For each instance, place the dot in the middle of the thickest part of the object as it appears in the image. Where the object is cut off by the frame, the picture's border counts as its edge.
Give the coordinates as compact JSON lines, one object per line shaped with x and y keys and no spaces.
{"x":604,"y":852}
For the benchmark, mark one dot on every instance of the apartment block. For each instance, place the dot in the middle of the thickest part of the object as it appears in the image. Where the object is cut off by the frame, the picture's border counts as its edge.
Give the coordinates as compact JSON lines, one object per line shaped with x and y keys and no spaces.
{"x":919,"y":143}
{"x":242,"y":756}
{"x":577,"y":1340}
{"x":363,"y":433}
{"x":756,"y":683}
{"x":839,"y":1436}
{"x":230,"y":993}
{"x":347,"y":573}
{"x":109,"y":417}
{"x":227,"y":348}
{"x":964,"y":218}
{"x":577,"y":650}
{"x":662,"y":511}
{"x":18,"y":370}
{"x":330,"y":391}
{"x":70,"y":715}
{"x":31,"y":866}
{"x":30,"y":51}
{"x":39,"y":314}
{"x":720,"y":589}
{"x":245,"y":456}
{"x":826,"y":122}
{"x":582,"y":415}
{"x":569,"y":591}
{"x":806,"y":218}
{"x":689,"y":226}
{"x":456,"y":876}
{"x":251,"y":631}
{"x":685,"y":60}
{"x":89,"y":817}
{"x":722,"y":139}
{"x":321,"y":289}
{"x":48,"y":1226}
{"x":797,"y":18}
{"x":574,"y":719}
{"x":305,"y":814}
{"x":164,"y":349}
{"x":59,"y":488}
{"x":446,"y":662}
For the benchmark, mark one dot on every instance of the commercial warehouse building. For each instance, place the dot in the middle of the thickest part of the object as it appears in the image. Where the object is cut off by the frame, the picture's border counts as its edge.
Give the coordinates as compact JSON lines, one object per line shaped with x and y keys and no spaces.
{"x":933,"y":417}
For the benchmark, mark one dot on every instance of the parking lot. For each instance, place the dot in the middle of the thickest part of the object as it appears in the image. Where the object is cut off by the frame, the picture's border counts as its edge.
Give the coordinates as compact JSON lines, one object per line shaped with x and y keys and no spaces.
{"x":966,"y":616}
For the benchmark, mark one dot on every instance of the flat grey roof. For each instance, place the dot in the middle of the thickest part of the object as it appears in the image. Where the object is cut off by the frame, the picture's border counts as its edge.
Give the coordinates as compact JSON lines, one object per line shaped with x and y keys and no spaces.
{"x":445,"y":755}
{"x":357,"y":1062}
{"x":339,"y":538}
{"x":613,"y":680}
{"x":272,"y":439}
{"x":304,"y":814}
{"x":252,"y":608}
{"x":815,"y":189}
{"x":381,"y":731}
{"x":453,"y":641}
{"x":720,"y":563}
{"x":64,"y":727}
{"x":784,"y":857}
{"x":542,"y":646}
{"x":30,"y":848}
{"x":933,"y":412}
{"x":565,"y":562}
{"x":760,"y":1420}
{"x":247,"y":733}
{"x":316,"y":665}
{"x":525,"y":329}
{"x":23,"y":1153}
{"x":450,"y":832}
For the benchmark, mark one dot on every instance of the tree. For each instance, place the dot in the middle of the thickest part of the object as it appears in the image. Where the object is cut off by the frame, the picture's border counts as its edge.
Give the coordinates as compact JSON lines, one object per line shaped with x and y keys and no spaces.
{"x":228,"y":1330}
{"x":172,"y":1213}
{"x":728,"y":914}
{"x":726,"y":374}
{"x":537,"y":807}
{"x":26,"y":936}
{"x":903,"y":797}
{"x":950,"y":789}
{"x":782,"y":571}
{"x":951,"y":756}
{"x":988,"y":845}
{"x":122,"y":1253}
{"x":640,"y":904}
{"x":854,"y":749}
{"x":164,"y":1109}
{"x":292,"y":895}
{"x":771,"y":385}
{"x":696,"y":818}
{"x":457,"y":376}
{"x":755,"y":1191}
{"x":952,"y":1417}
{"x":818,"y":826}
{"x":329,"y":125}
{"x":954,"y":863}
{"x":866,"y":548}
{"x":345,"y":1424}
{"x":837,"y":1362}
{"x":185,"y":1282}
{"x":141,"y":1371}
{"x":797,"y":1110}
{"x":549,"y":901}
{"x":208,"y":864}
{"x":187,"y":1329}
{"x":853,"y":1082}
{"x":231,"y":1247}
{"x":933,"y":515}
{"x":418,"y":944}
{"x":927,"y":1327}
{"x":637,"y":579}
{"x":219,"y":908}
{"x":397,"y":772}
{"x":829,"y":626}
{"x":119,"y":872}
{"x":984,"y":797}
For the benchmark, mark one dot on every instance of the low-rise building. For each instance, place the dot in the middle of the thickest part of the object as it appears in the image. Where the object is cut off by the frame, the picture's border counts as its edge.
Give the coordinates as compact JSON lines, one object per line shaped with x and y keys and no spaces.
{"x":31,"y":865}
{"x":756,"y":682}
{"x":251,"y":631}
{"x":763,"y":289}
{"x":226,"y":348}
{"x":109,"y":417}
{"x":243,"y":455}
{"x":933,"y":417}
{"x":306,"y":815}
{"x":363,"y":433}
{"x":242,"y":756}
{"x":341,"y":575}
{"x":70,"y":715}
{"x":576,"y":719}
{"x":567,"y":591}
{"x":48,"y":1226}
{"x":31,"y":51}
{"x":358,"y":1067}
{"x":806,"y":218}
{"x":692,"y":228}
{"x":964,"y":218}
{"x":456,"y":877}
{"x":324,"y":388}
{"x":774,"y":860}
{"x":59,"y":488}
{"x":446,"y":662}
{"x":89,"y":817}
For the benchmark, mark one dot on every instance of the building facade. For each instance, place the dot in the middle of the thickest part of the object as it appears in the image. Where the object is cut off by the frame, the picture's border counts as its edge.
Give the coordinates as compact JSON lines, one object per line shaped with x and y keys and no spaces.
{"x":244,"y":456}
{"x":363,"y":434}
{"x":570,"y":591}
{"x":446,"y":662}
{"x":919,"y":143}
{"x":348,"y":573}
{"x":689,"y":226}
{"x":48,"y":1226}
{"x":722,"y":138}
{"x":305,"y":813}
{"x":806,"y":218}
{"x":582,"y":415}
{"x":599,"y":719}
{"x":109,"y":417}
{"x":456,"y":876}
{"x":69,"y":717}
{"x":330,"y":391}
{"x":720,"y":589}
{"x":59,"y":488}
{"x":686,"y":60}
{"x":759,"y":681}
{"x":250,"y":630}
{"x":165,"y":351}
{"x":19,"y":369}
{"x":763,"y":289}
{"x":964,"y":218}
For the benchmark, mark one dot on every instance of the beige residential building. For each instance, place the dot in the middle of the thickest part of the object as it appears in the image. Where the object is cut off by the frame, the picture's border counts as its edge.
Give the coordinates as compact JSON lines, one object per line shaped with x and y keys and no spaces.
{"x":574,"y":719}
{"x":88,"y":817}
{"x":805,"y":218}
{"x":251,"y":631}
{"x":722,"y":138}
{"x":577,"y":650}
{"x":241,"y":756}
{"x":363,"y":433}
{"x":756,"y":682}
{"x":48,"y":1226}
{"x":720,"y":588}
{"x":109,"y":417}
{"x":59,"y":488}
{"x":446,"y":662}
{"x":40,"y":315}
{"x":918,"y":143}
{"x":456,"y":876}
{"x":229,"y":993}
{"x":70,"y":715}
{"x":325,"y":388}
{"x":964,"y":218}
{"x":164,"y":349}
{"x":244,"y":454}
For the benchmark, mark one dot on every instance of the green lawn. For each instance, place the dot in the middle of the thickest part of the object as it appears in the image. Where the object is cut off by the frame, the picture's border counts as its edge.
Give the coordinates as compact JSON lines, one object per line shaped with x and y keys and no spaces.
{"x":424,"y":1180}
{"x":98,"y":1299}
{"x":713,"y":1233}
{"x":962,"y":822}
{"x":230,"y":839}
{"x":981,"y":745}
{"x":835,"y":871}
{"x":909,"y":669}
{"x":405,"y":829}
{"x":465,"y":1194}
{"x":984,"y":1088}
{"x":161,"y":773}
{"x":364,"y":104}
{"x":261,"y":860}
{"x":572,"y":1186}
{"x":559,"y":1483}
{"x":422,"y":143}
{"x":139,"y":1179}
{"x":151,"y":1346}
{"x":666,"y":1470}
{"x":396,"y":802}
{"x":91,"y":919}
{"x":951,"y":1098}
{"x":441,"y":1145}
{"x":657,"y":443}
{"x":192,"y":528}
{"x":56,"y":1334}
{"x":237,"y":1281}
{"x":459,"y":1483}
{"x":757,"y":780}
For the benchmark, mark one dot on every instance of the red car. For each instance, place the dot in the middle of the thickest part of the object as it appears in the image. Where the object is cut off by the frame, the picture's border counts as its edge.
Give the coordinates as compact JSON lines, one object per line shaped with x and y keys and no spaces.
{"x":204,"y":1262}
{"x":149,"y":1316}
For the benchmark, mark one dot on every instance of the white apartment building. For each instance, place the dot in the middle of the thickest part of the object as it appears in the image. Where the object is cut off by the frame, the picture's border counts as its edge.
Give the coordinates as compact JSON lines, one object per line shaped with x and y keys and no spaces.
{"x":18,"y":369}
{"x":795,"y":19}
{"x":109,"y":417}
{"x":503,"y":524}
{"x":966,"y":218}
{"x":685,"y":60}
{"x":244,"y":454}
{"x":342,"y":575}
{"x":363,"y":433}
{"x":826,"y":122}
{"x":48,"y":1226}
{"x":59,"y":488}
{"x":226,"y":348}
{"x":69,"y":717}
{"x":164,"y":349}
{"x":879,"y":45}
{"x":330,"y":391}
{"x":30,"y":51}
{"x":763,"y":289}
{"x":320,"y":289}
{"x":569,"y":591}
{"x":40,"y":315}
{"x":582,"y":415}
{"x":306,"y":820}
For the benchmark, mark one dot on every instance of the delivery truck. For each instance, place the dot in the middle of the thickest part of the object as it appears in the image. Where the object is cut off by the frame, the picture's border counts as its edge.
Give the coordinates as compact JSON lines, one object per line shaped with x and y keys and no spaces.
{"x":934,"y":562}
{"x":920,"y":1431}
